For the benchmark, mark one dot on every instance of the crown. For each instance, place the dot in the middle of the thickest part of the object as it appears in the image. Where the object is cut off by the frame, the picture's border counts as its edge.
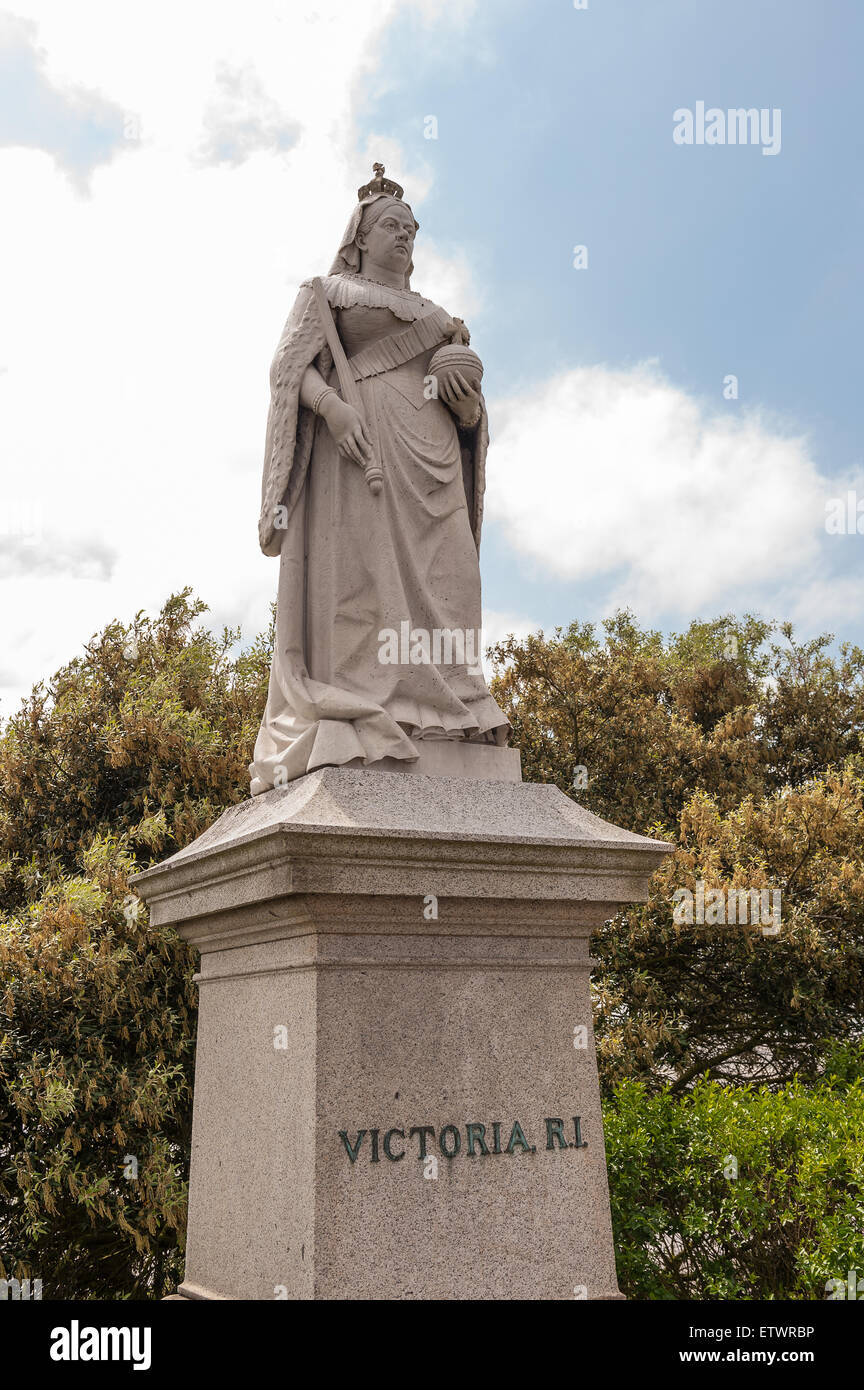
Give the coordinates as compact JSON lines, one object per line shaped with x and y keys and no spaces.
{"x":380,"y":185}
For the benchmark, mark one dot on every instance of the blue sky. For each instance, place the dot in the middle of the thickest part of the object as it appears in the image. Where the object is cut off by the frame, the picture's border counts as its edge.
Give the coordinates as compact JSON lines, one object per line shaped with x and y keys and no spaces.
{"x":174,"y":172}
{"x":712,"y":259}
{"x":555,"y":128}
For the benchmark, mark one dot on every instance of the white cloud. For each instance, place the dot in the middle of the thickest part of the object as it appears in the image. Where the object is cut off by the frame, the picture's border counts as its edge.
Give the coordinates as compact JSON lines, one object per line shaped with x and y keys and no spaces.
{"x":78,"y":127}
{"x":139,"y":319}
{"x":621,"y":477}
{"x":242,"y":118}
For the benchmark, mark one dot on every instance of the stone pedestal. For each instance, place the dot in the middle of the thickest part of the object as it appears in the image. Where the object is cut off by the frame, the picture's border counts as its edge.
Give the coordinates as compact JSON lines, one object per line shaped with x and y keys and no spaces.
{"x":388,"y":1100}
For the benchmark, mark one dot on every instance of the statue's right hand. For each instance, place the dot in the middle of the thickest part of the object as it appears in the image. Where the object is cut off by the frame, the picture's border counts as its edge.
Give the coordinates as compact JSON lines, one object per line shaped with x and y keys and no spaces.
{"x":347,"y":429}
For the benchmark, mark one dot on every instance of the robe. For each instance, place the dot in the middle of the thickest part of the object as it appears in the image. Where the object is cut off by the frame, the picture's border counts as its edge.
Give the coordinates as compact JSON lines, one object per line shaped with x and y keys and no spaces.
{"x":356,"y":568}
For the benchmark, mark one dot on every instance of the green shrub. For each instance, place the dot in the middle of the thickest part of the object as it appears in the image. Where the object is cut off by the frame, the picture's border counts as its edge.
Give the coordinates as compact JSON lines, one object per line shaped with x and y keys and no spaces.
{"x":792,"y":1218}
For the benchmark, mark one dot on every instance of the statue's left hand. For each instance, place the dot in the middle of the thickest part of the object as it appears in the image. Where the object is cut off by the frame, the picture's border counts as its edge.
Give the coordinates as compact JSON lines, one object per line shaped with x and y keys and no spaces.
{"x":461,"y":395}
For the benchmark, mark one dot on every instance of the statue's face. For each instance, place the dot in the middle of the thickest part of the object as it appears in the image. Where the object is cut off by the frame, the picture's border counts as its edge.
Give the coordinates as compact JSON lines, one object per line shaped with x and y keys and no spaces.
{"x":389,"y":242}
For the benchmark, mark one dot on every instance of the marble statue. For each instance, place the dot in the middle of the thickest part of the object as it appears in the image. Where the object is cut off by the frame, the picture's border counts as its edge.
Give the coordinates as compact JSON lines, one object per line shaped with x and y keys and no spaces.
{"x":373,"y":500}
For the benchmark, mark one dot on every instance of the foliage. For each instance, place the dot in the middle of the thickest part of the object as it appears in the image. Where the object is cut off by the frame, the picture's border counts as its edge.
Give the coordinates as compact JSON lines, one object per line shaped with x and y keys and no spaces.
{"x":135,"y":748}
{"x":679,"y":1000}
{"x":737,"y":1193}
{"x":743,"y":753}
{"x":742,"y":750}
{"x":147,"y":734}
{"x":720,"y":709}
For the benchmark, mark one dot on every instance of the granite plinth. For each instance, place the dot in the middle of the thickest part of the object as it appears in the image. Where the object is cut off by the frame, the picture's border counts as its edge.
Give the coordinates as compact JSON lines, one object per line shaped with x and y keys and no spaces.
{"x":387,"y":954}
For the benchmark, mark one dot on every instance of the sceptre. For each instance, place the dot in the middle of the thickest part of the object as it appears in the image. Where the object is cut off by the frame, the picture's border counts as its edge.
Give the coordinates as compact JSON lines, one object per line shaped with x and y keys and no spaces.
{"x":347,"y":384}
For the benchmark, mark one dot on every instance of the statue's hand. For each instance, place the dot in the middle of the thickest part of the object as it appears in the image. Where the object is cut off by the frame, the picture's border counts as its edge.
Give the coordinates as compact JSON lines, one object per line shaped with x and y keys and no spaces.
{"x":347,"y":429}
{"x":461,"y":395}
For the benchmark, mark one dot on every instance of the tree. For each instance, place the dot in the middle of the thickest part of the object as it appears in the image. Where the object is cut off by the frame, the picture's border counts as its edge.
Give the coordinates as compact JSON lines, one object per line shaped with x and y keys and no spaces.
{"x":131,"y":752}
{"x":744,"y":753}
{"x":675,"y":1001}
{"x":649,"y":723}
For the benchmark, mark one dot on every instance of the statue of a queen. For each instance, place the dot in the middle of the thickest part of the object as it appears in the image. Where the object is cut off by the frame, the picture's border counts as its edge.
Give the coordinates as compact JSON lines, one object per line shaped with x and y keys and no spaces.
{"x":373,"y":499}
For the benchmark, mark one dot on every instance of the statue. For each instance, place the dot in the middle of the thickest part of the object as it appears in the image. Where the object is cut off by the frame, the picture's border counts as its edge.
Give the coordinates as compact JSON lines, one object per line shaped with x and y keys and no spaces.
{"x":373,"y":500}
{"x":422,"y":1031}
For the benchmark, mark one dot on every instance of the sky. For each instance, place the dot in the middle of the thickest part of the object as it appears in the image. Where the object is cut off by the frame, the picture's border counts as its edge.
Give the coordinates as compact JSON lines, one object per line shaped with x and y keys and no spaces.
{"x":670,"y":331}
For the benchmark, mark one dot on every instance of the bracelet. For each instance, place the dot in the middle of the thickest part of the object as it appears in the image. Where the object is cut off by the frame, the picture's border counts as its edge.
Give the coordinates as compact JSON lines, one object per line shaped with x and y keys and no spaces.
{"x":325,"y":391}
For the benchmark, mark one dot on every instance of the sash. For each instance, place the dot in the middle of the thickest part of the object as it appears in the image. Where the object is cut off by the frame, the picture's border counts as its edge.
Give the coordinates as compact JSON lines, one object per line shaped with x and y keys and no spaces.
{"x":394,"y":351}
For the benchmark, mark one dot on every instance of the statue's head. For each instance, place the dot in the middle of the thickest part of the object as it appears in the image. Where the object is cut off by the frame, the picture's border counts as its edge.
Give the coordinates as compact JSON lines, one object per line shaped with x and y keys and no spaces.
{"x":381,"y":231}
{"x":385,"y":236}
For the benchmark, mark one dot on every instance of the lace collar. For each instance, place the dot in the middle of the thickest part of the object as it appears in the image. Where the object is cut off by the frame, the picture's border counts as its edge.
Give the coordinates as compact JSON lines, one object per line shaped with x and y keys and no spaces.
{"x":346,"y":291}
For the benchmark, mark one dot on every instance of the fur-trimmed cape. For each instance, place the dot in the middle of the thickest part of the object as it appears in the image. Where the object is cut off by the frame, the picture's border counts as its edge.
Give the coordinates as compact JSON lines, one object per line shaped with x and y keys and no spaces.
{"x":291,"y":427}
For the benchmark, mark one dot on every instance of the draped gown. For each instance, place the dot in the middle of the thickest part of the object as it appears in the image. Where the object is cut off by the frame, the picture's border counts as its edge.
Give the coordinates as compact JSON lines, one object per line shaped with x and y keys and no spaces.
{"x":354,"y":566}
